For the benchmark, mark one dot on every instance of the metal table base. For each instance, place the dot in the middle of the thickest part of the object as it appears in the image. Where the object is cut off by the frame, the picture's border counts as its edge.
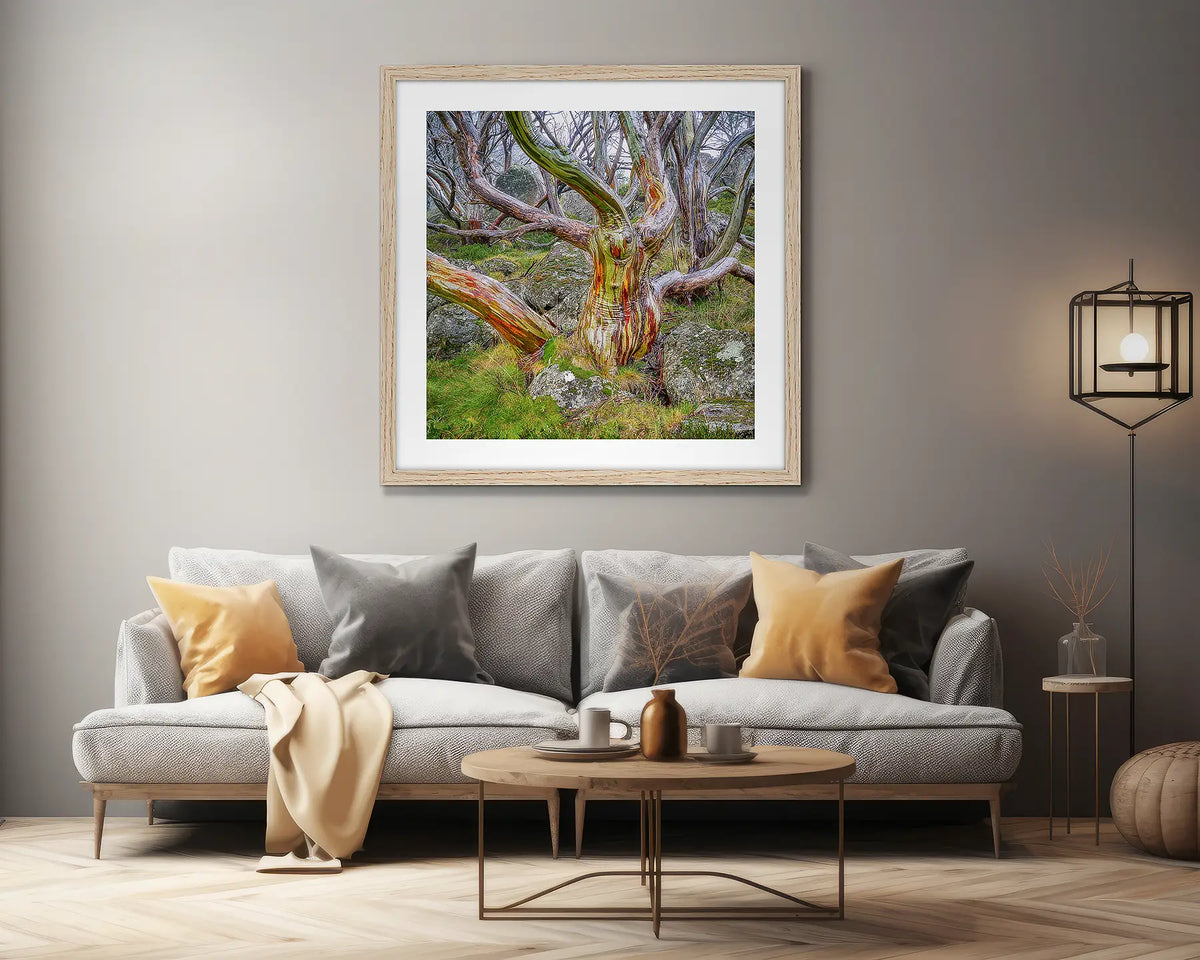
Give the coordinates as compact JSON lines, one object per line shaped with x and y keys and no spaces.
{"x":651,"y":874}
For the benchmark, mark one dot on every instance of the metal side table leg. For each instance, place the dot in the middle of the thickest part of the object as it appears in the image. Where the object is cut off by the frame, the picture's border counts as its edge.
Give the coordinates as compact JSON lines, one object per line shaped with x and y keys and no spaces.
{"x":1067,"y":710}
{"x":1096,"y":761}
{"x":1050,"y":817}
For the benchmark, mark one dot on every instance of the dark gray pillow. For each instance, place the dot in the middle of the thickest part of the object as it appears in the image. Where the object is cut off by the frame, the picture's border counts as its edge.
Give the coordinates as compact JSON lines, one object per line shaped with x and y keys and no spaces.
{"x":408,"y":620}
{"x":922,"y":603}
{"x":670,"y":633}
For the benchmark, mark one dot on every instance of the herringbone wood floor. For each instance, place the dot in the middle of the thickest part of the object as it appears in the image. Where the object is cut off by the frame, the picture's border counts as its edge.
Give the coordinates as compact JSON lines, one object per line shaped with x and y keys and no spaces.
{"x":185,"y":891}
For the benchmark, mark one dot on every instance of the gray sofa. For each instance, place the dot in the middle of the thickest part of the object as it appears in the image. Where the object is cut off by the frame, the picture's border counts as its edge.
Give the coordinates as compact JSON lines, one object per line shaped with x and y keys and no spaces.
{"x":156,"y":745}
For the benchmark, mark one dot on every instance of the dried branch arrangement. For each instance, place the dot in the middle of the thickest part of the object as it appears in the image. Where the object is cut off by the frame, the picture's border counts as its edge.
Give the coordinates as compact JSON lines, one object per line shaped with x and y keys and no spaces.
{"x":1081,"y":589}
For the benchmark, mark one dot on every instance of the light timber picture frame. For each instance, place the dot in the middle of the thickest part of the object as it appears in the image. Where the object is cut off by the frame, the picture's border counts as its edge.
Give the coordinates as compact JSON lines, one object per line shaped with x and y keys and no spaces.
{"x":590,"y":276}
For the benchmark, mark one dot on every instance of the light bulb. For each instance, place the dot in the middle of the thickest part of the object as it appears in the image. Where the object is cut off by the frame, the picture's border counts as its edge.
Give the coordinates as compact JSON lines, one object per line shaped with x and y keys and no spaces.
{"x":1134,"y":348}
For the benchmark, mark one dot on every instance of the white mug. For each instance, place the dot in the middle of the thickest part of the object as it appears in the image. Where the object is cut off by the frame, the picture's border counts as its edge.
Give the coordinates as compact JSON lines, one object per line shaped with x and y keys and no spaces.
{"x":723,"y":738}
{"x":595,"y":727}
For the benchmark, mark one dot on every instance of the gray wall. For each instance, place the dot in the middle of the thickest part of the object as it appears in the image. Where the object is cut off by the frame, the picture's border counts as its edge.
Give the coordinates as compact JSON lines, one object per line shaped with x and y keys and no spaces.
{"x":190,"y":312}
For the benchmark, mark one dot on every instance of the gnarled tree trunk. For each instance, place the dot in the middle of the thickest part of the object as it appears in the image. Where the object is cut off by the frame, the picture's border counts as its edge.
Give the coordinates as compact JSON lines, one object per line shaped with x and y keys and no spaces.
{"x":621,"y":314}
{"x":491,"y":301}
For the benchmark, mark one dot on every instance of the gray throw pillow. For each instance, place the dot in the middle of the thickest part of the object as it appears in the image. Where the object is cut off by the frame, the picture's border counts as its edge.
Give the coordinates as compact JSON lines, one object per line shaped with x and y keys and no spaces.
{"x":669,"y":633}
{"x":408,"y":620}
{"x":922,"y":602}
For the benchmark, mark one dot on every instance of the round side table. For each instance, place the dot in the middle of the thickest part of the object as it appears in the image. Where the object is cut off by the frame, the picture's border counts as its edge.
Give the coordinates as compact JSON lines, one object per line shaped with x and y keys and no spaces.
{"x":1071,"y":684}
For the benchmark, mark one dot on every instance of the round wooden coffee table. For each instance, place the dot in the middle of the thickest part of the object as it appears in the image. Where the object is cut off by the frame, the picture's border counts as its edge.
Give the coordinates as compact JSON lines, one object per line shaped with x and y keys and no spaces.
{"x":648,"y":781}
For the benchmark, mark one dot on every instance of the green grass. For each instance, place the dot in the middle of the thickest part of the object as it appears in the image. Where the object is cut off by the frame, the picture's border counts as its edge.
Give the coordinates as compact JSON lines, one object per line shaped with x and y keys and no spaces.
{"x":480,"y":394}
{"x":697,"y":432}
{"x":731,"y":307}
{"x":724,"y":204}
{"x":519,"y":252}
{"x":633,"y":420}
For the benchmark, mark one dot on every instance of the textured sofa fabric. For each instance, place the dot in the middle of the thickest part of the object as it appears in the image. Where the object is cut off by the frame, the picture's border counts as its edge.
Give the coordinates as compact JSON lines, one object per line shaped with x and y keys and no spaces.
{"x":893,"y":739}
{"x":148,"y":669}
{"x":519,"y":605}
{"x":967,"y":666}
{"x":223,"y":738}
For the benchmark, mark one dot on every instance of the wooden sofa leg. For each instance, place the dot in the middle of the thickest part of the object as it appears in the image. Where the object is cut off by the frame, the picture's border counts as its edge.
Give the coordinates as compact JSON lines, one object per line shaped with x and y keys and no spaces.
{"x":150,"y":813}
{"x":554,"y":807}
{"x":580,"y":810}
{"x":98,"y":805}
{"x":994,"y":807}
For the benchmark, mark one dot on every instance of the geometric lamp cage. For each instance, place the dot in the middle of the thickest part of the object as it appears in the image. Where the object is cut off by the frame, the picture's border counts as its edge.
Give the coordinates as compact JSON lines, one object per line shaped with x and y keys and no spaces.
{"x":1131,"y":351}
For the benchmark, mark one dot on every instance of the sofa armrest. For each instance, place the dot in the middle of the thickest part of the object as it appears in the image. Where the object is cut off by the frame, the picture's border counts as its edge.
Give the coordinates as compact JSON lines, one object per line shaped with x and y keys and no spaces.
{"x":967,"y":667}
{"x":148,"y":668}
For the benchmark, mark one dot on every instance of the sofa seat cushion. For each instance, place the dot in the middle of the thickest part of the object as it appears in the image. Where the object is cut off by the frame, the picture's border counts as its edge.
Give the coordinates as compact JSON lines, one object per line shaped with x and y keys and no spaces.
{"x":893,"y":739}
{"x":223,"y":738}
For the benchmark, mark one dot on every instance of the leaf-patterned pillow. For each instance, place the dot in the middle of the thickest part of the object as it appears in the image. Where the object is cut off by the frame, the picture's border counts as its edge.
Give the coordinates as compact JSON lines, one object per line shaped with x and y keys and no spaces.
{"x":670,"y":633}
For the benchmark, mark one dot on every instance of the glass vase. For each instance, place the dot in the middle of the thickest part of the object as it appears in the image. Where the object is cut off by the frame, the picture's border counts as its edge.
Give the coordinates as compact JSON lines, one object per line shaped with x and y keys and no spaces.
{"x":1082,"y":652}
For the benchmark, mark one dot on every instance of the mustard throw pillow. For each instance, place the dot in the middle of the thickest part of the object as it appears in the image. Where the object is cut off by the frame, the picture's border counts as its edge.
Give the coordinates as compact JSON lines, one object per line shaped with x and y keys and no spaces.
{"x":226,"y":634}
{"x":814,"y":627}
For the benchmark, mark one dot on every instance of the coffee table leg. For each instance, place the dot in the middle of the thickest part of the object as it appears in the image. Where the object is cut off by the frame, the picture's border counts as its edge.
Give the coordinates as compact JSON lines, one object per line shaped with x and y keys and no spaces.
{"x":841,"y":849}
{"x":480,"y":895}
{"x":642,"y":827}
{"x":656,"y":868}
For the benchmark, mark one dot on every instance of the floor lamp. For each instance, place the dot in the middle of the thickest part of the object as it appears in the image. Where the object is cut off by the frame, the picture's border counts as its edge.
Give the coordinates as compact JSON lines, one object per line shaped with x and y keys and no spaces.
{"x":1131,"y":361}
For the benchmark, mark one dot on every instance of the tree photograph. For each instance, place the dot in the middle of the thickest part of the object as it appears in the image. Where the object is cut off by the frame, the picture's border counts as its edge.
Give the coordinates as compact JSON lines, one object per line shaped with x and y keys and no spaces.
{"x":590,"y":274}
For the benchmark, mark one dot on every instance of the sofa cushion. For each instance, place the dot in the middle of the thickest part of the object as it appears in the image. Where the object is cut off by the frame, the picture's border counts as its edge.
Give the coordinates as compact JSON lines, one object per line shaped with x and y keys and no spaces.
{"x":915,"y":615}
{"x":225,"y":635}
{"x":823,"y":628}
{"x":599,"y":628}
{"x":404,"y":621}
{"x":519,"y":605}
{"x":223,"y":738}
{"x":893,"y":739}
{"x":674,"y":633}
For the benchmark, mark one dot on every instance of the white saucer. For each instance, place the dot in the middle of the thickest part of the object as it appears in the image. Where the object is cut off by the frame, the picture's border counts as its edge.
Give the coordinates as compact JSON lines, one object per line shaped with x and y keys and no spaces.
{"x":577,"y":746}
{"x":586,"y":754}
{"x":744,"y":757}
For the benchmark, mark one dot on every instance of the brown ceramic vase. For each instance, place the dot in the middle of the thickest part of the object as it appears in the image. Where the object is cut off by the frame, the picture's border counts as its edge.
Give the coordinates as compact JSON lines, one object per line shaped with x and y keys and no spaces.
{"x":664,"y":727}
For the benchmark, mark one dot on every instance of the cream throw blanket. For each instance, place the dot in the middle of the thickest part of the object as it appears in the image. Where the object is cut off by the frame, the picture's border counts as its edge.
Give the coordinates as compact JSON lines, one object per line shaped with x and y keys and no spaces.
{"x":328,"y":742}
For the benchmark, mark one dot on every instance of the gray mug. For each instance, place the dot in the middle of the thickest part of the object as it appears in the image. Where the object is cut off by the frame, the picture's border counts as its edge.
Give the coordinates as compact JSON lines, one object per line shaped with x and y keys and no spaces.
{"x":723,"y":739}
{"x":595,"y":727}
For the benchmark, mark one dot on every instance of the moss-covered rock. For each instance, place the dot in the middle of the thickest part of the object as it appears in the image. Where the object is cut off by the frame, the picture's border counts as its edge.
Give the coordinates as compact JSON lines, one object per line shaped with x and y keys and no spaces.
{"x":451,"y":329}
{"x":571,"y":394}
{"x":731,"y":419}
{"x":557,"y":285}
{"x":502,"y":267}
{"x":702,"y":364}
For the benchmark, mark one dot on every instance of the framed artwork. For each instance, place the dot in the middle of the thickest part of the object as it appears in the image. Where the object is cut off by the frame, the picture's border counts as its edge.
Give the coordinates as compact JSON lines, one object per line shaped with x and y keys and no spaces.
{"x":590,"y":275}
